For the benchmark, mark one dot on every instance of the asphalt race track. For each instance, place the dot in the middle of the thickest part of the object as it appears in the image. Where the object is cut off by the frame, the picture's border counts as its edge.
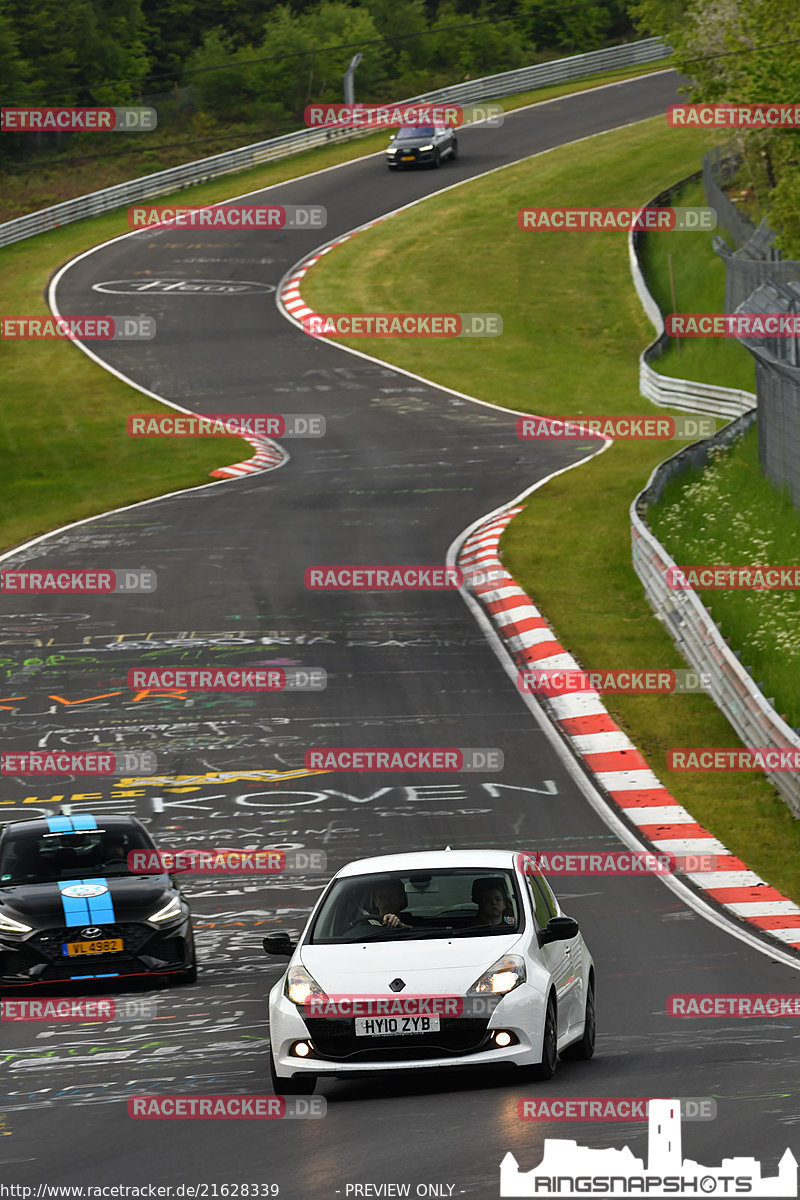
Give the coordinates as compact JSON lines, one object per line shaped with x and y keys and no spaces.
{"x":404,"y":469}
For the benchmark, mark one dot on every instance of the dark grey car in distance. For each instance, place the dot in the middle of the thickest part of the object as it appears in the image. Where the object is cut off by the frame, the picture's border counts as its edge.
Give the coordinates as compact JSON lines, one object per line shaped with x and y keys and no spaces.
{"x":421,"y":145}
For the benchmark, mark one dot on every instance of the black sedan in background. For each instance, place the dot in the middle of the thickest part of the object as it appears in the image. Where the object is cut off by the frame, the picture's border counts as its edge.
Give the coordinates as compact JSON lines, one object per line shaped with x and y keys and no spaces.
{"x":70,"y":908}
{"x":421,"y":145}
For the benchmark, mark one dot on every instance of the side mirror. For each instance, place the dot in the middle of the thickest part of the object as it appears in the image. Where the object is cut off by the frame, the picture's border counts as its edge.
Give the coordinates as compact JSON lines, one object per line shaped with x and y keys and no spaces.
{"x":558,"y":929}
{"x":278,"y":943}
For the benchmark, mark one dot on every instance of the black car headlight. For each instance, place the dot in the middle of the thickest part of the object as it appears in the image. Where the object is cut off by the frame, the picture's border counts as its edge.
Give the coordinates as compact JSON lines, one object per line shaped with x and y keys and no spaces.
{"x":167,"y":912}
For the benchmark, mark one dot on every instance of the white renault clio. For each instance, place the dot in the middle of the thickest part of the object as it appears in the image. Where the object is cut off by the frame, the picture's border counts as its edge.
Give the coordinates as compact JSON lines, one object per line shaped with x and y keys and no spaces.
{"x":426,"y":960}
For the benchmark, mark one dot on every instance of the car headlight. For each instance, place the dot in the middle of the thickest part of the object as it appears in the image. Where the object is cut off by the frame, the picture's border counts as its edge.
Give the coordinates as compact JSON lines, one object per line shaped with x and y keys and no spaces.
{"x":7,"y":925}
{"x":301,"y":986}
{"x":170,"y":910}
{"x":502,"y":977}
{"x":427,"y":147}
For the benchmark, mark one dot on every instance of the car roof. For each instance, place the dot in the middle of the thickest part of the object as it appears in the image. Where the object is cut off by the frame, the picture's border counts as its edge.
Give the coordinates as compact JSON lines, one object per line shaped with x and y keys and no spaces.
{"x":63,"y":824}
{"x":420,"y":860}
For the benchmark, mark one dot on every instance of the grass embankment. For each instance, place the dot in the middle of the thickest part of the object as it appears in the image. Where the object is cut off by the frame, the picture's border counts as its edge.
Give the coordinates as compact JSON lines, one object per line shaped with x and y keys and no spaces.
{"x":573,"y":330}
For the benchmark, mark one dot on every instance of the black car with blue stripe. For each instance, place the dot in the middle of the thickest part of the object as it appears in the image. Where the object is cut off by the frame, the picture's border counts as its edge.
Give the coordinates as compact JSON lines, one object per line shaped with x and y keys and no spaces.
{"x":71,"y":909}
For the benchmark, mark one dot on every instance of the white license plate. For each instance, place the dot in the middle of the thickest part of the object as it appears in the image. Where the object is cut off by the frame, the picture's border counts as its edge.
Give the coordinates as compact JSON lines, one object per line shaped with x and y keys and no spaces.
{"x":394,"y":1026}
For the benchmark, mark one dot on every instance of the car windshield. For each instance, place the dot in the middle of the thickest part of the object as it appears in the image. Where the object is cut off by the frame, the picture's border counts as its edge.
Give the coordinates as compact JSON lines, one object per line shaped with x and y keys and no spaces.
{"x":444,"y":903}
{"x":415,"y":131}
{"x":45,"y":858}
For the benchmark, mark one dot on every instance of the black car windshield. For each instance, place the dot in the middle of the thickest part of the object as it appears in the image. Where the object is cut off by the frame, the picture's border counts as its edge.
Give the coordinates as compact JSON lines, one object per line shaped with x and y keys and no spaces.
{"x":408,"y":905}
{"x":415,"y":131}
{"x":44,"y":858}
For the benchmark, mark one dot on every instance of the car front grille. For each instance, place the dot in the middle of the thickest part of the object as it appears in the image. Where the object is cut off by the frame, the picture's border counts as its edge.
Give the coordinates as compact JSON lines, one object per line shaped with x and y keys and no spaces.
{"x":336,"y":1040}
{"x":49,"y":942}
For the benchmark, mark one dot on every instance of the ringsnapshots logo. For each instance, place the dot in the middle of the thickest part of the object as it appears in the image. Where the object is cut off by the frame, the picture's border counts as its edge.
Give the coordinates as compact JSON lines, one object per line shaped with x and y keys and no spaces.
{"x":228,"y":679}
{"x":733,"y":325}
{"x":752,"y":578}
{"x":83,"y":583}
{"x":78,"y":329}
{"x":382,"y":116}
{"x":608,"y":1108}
{"x":624,"y":428}
{"x":70,"y":120}
{"x":721,"y":759}
{"x":226,"y":1108}
{"x":75,"y":1008}
{"x":618,"y":219}
{"x":215,"y":425}
{"x":422,"y":758}
{"x":22,"y":763}
{"x":571,"y":1170}
{"x":554,"y":681}
{"x":733,"y":116}
{"x":228,"y":216}
{"x":392,"y":324}
{"x":226,"y":861}
{"x":612,"y":862}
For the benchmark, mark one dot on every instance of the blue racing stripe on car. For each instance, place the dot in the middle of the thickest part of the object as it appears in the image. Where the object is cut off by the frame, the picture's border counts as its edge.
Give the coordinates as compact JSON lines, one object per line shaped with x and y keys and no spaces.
{"x":60,"y":824}
{"x":101,"y":908}
{"x":76,"y":909}
{"x":107,"y":975}
{"x":83,"y":822}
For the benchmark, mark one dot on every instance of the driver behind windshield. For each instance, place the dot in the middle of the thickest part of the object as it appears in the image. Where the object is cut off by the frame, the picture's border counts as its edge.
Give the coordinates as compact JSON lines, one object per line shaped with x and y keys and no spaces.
{"x":390,"y":899}
{"x":493,"y":903}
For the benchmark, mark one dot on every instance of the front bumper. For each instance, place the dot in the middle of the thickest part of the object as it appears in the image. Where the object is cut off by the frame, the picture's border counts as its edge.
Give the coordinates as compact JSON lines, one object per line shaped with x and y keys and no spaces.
{"x":418,"y":157}
{"x":38,"y":958}
{"x":464,"y":1041}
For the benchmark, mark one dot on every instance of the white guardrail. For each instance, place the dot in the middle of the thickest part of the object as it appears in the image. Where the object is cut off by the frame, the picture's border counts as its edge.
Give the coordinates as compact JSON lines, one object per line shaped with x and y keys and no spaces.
{"x":686,"y":619}
{"x":668,"y":391}
{"x":562,"y":70}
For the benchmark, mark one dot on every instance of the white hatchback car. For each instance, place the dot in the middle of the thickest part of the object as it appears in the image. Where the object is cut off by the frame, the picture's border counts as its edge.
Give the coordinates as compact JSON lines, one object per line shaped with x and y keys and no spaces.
{"x":426,"y":960}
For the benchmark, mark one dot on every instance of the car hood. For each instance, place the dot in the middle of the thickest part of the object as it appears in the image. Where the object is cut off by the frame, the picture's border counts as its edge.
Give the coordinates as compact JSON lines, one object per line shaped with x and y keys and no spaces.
{"x":124,"y":898}
{"x":435,"y":967}
{"x":410,"y":143}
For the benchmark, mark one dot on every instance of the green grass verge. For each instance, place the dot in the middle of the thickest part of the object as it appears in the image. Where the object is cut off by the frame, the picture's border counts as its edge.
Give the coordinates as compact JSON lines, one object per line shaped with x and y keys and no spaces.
{"x":730,"y":513}
{"x":699,"y":276}
{"x":573,"y":329}
{"x":62,"y":421}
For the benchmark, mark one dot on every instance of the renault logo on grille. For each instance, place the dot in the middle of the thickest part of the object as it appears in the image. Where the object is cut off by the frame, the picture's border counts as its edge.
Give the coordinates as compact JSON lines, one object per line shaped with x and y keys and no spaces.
{"x":397,"y":985}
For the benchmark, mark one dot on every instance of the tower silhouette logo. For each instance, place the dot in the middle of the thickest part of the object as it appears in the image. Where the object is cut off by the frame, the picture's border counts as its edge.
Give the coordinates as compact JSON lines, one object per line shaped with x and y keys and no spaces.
{"x":568,"y":1169}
